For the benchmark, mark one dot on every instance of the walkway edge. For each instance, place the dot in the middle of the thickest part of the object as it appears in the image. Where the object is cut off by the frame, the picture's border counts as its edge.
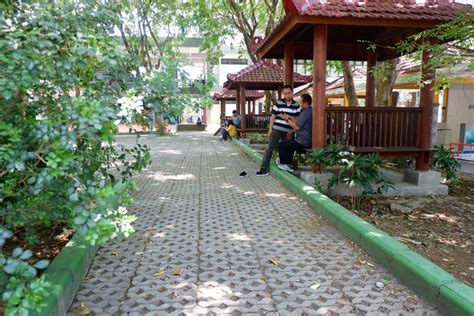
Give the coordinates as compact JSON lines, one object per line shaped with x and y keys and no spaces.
{"x":67,"y":270}
{"x":441,"y":289}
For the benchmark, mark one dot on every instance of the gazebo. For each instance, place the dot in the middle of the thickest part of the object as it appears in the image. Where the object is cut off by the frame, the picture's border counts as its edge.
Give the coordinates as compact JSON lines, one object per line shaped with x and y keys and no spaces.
{"x":348,"y":30}
{"x":263,"y":75}
{"x":231,"y":95}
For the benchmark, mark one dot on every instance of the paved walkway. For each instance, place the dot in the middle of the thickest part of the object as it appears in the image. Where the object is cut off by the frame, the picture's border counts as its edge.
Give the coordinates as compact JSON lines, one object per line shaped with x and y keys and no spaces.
{"x":206,"y":240}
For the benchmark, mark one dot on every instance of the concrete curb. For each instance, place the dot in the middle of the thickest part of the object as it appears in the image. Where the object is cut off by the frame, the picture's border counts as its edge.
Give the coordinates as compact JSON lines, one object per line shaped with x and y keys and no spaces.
{"x":441,"y":289}
{"x":69,"y":267}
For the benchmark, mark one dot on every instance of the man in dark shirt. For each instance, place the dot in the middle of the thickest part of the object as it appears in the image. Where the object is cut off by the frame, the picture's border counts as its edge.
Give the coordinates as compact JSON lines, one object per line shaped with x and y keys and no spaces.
{"x":279,"y":127}
{"x":302,"y":127}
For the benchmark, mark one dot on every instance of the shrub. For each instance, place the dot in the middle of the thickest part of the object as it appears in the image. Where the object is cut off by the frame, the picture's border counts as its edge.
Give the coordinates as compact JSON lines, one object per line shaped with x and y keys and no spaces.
{"x":444,"y":160}
{"x":57,"y":151}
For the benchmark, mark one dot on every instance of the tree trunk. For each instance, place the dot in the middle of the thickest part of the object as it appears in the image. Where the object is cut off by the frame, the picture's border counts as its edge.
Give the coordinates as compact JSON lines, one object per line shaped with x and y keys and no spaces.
{"x":349,"y":87}
{"x":385,"y":81}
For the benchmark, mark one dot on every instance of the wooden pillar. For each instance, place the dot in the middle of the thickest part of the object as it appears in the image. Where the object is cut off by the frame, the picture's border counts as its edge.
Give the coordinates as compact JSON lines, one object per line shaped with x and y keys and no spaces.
{"x":319,"y":85}
{"x":253,"y":107}
{"x":243,"y":121}
{"x":223,"y":106}
{"x":248,"y":107}
{"x":289,"y":56}
{"x":370,"y":84}
{"x":237,"y":99}
{"x":426,"y":120}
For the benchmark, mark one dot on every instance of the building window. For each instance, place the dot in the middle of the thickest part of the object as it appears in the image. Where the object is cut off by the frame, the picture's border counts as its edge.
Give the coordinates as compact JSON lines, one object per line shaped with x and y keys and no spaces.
{"x":234,"y":61}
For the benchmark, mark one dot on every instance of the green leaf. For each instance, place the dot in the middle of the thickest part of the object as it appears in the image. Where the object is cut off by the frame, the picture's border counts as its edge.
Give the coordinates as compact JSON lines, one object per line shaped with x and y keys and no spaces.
{"x":42,"y":264}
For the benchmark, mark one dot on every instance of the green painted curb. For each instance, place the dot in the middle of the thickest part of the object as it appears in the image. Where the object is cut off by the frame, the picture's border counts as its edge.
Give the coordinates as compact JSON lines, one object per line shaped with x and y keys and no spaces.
{"x":441,"y":289}
{"x":66,"y":271}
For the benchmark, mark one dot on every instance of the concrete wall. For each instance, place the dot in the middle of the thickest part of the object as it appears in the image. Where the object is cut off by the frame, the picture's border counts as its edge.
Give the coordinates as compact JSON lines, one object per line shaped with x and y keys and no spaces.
{"x":458,"y":112}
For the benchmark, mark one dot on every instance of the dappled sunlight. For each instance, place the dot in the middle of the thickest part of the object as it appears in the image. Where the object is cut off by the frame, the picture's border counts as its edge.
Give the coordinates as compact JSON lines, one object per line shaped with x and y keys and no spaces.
{"x":159,"y":176}
{"x":241,"y":237}
{"x":219,"y":168}
{"x":375,"y":234}
{"x":280,"y":195}
{"x":443,"y":217}
{"x":159,"y":235}
{"x":171,"y":152}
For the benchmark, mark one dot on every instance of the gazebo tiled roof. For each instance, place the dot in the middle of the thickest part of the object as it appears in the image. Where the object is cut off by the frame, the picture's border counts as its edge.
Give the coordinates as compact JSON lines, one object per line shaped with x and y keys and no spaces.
{"x":352,"y":25}
{"x":436,"y":10}
{"x":263,"y":75}
{"x":231,"y":95}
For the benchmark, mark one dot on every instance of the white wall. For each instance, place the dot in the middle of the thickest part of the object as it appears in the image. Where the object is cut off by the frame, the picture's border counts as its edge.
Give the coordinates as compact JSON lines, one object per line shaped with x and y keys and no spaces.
{"x":459,"y":99}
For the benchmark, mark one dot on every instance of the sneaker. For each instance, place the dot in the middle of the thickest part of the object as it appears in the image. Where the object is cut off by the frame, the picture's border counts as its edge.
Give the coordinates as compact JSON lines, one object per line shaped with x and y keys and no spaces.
{"x":284,"y":167}
{"x":262,"y":173}
{"x":243,"y":174}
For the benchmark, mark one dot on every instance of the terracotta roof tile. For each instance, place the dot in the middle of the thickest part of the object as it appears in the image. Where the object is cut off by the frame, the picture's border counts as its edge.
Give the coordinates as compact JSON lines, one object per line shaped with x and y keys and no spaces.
{"x":231,"y":94}
{"x":265,"y":71}
{"x":437,"y":10}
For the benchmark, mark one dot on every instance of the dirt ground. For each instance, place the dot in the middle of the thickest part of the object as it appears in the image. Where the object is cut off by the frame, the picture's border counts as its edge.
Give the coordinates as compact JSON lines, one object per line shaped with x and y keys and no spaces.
{"x":439,"y":228}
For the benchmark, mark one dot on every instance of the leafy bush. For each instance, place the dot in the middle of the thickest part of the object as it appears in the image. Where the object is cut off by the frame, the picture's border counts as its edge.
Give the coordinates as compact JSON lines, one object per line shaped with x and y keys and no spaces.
{"x":61,"y":73}
{"x":351,"y":169}
{"x":258,"y":137}
{"x":444,"y":160}
{"x":21,"y":290}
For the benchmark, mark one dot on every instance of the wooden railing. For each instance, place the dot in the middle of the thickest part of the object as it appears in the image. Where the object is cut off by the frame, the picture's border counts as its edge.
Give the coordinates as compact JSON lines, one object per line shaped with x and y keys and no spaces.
{"x":257,"y":122}
{"x":361,"y":127}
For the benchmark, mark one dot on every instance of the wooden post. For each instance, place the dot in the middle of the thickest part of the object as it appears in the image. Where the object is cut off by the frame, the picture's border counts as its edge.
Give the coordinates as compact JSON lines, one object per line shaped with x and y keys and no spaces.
{"x":289,"y":56}
{"x":237,"y":99}
{"x":370,"y":83}
{"x":253,"y":107}
{"x":243,"y":121}
{"x":426,"y":105}
{"x":319,"y":85}
{"x":223,"y":106}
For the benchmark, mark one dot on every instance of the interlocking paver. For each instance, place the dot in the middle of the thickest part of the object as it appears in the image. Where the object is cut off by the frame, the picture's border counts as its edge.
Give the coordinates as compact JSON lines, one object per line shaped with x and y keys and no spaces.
{"x":206,"y":239}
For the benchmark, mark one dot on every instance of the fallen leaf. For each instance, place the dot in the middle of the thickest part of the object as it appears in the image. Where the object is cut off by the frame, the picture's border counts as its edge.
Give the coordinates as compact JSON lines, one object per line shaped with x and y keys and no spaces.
{"x":158,"y":274}
{"x":315,"y":286}
{"x":114,"y":253}
{"x":404,"y":239}
{"x":177,"y":272}
{"x":370,"y":264}
{"x":257,"y":221}
{"x":82,"y":309}
{"x":471,"y":268}
{"x":276,"y":261}
{"x":139,"y":253}
{"x":446,"y":260}
{"x":361,"y":261}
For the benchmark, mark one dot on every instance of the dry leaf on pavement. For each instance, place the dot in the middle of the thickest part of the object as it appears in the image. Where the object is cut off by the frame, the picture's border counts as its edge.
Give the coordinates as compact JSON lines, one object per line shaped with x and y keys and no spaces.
{"x":276,"y":261}
{"x":82,"y":309}
{"x":158,"y":274}
{"x":177,"y":272}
